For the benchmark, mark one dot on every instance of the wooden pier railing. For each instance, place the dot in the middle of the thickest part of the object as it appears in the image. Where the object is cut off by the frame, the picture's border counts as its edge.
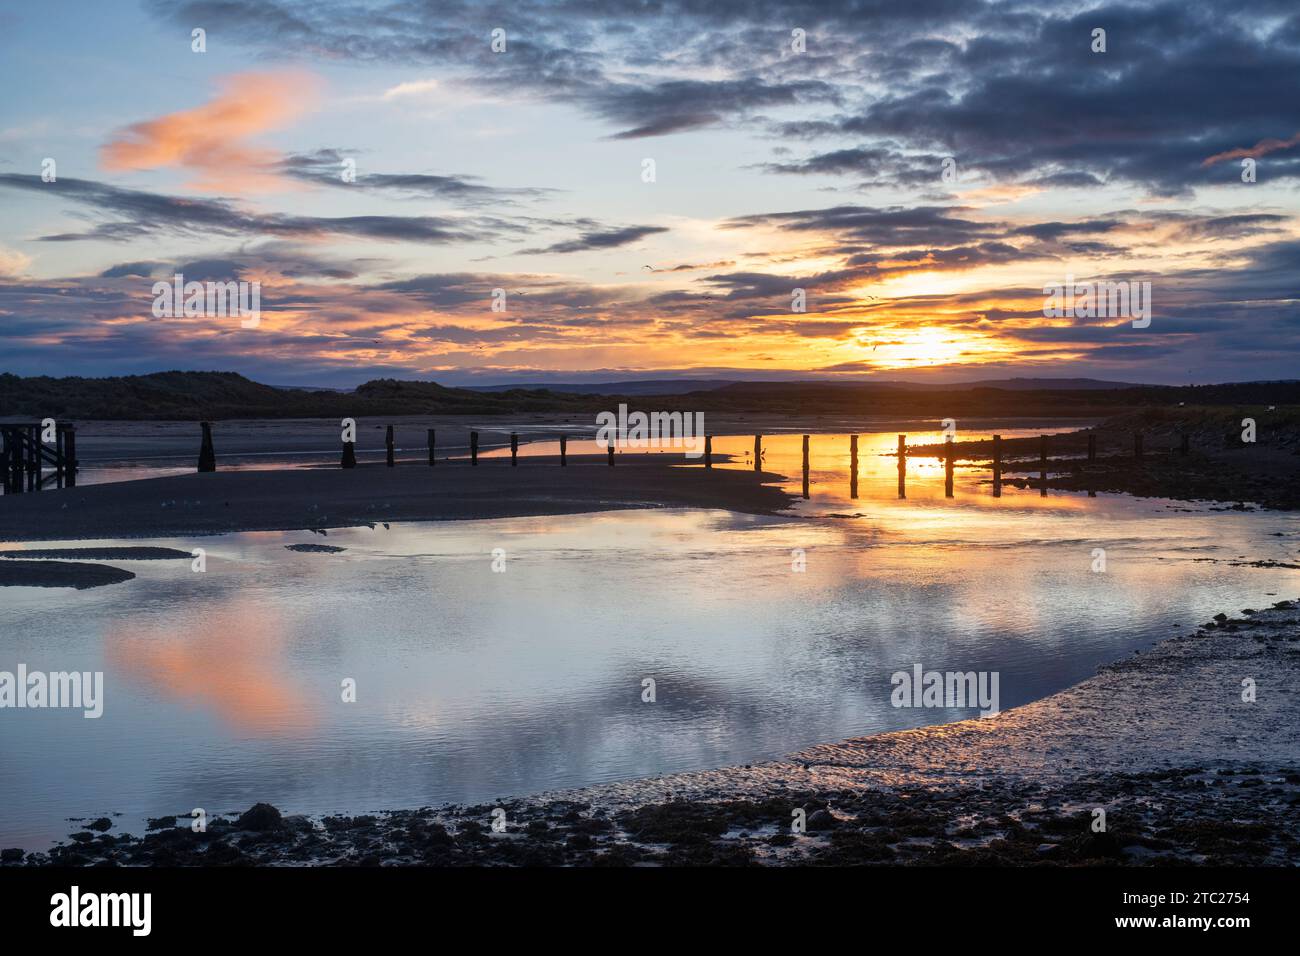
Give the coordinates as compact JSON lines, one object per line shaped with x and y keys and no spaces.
{"x":25,"y":458}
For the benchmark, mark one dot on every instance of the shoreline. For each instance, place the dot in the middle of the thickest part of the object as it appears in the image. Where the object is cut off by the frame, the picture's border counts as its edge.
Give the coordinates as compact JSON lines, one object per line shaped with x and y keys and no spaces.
{"x":321,"y":498}
{"x":1218,"y":466}
{"x":1186,"y":770}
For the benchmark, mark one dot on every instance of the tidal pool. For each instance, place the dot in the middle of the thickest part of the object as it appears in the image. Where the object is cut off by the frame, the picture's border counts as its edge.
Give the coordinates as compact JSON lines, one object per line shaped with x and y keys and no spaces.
{"x":225,"y":687}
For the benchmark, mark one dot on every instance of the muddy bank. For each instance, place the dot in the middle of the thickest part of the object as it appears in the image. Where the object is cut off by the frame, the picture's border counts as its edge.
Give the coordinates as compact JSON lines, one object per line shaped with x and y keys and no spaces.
{"x":60,"y":574}
{"x":1219,"y":466}
{"x":99,"y":554}
{"x":1186,"y":769}
{"x":298,"y":499}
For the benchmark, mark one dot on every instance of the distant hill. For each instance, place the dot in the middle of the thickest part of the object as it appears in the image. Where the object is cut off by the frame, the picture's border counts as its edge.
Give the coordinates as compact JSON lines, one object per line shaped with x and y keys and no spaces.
{"x":218,"y":395}
{"x":1038,"y":384}
{"x":191,"y":396}
{"x":679,"y":386}
{"x":653,"y":386}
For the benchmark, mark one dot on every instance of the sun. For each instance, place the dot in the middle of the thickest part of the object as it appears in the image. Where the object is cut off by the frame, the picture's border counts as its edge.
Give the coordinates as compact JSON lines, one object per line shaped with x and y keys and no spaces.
{"x":916,"y":347}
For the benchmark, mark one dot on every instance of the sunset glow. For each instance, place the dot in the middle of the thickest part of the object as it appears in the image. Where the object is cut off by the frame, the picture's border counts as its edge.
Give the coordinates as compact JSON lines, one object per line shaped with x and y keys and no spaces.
{"x":645,"y":219}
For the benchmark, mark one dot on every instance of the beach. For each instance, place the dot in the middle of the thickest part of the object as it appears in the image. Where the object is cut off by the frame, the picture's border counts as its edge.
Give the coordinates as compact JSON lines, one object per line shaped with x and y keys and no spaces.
{"x":1161,"y":741}
{"x":323,"y":498}
{"x":1216,"y":466}
{"x":1022,"y":787}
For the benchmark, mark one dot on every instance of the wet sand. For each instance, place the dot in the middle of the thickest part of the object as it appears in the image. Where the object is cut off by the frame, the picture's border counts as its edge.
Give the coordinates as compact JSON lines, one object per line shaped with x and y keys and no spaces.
{"x":323,"y":498}
{"x":99,"y":554}
{"x":1186,"y":771}
{"x":1218,"y":467}
{"x":59,"y":574}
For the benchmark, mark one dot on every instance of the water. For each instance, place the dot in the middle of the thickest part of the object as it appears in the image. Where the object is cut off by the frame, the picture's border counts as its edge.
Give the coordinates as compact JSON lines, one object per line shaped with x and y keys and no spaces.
{"x":224,"y":688}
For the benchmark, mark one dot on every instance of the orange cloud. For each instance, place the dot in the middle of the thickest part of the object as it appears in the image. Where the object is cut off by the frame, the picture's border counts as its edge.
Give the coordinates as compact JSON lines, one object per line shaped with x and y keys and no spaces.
{"x":210,"y":140}
{"x":1261,"y":148}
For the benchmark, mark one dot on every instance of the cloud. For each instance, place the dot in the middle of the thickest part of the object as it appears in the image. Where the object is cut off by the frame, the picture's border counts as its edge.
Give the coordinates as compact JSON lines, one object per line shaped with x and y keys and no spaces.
{"x":324,"y":167}
{"x":210,"y":141}
{"x":600,"y":239}
{"x":1262,"y":148}
{"x":143,"y":213}
{"x":411,"y":88}
{"x":13,"y":263}
{"x":1011,"y":90}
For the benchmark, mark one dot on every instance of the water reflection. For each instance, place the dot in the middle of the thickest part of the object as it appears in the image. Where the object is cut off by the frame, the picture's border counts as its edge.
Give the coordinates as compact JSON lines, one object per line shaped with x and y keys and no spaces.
{"x":223,"y":687}
{"x":236,"y":670}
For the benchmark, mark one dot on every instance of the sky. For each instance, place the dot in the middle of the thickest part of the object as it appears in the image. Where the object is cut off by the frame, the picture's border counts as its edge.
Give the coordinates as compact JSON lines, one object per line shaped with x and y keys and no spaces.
{"x":482,"y":193}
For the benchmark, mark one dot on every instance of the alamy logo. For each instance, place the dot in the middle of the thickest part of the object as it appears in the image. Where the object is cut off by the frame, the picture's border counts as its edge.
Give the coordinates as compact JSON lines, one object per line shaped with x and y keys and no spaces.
{"x":953,"y":689}
{"x":213,"y":300}
{"x":653,"y":430}
{"x":73,"y":689}
{"x":1099,"y":300}
{"x":74,"y":908}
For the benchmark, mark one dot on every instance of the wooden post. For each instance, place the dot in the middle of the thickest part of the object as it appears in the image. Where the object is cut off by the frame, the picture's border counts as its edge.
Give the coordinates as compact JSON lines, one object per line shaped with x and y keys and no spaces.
{"x":947,"y":467}
{"x":58,"y":456}
{"x":33,"y":437}
{"x":207,"y":456}
{"x":1092,"y":446}
{"x":514,"y":450}
{"x":708,"y":451}
{"x":1042,"y":464}
{"x":70,"y":457}
{"x":34,"y":458}
{"x":805,"y":466}
{"x":564,"y":451}
{"x":1185,"y":444}
{"x":997,"y":466}
{"x":432,"y":444}
{"x":14,"y":474}
{"x":388,"y":446}
{"x":16,"y":459}
{"x":473,"y":449}
{"x":610,"y":452}
{"x":13,"y":461}
{"x":758,"y":452}
{"x":853,"y":466}
{"x":1137,"y":446}
{"x":902,"y":466}
{"x":349,"y":455}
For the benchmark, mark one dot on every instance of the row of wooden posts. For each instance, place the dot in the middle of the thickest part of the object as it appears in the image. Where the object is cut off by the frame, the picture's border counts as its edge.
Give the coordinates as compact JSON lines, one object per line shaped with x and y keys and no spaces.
{"x":207,"y":458}
{"x":23,"y":457}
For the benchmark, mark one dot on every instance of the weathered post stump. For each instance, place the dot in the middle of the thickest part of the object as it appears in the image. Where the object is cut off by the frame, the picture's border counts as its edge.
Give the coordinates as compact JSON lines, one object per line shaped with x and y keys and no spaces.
{"x":207,"y":456}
